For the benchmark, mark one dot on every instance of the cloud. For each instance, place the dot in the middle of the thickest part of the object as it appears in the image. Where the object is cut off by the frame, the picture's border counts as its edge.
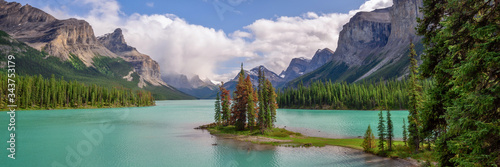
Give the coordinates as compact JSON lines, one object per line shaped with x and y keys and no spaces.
{"x":181,"y":47}
{"x":150,"y":4}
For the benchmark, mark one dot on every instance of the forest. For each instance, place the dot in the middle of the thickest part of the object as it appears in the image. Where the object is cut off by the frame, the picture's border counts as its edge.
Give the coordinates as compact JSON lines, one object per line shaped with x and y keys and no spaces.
{"x":36,"y":92}
{"x":365,"y":95}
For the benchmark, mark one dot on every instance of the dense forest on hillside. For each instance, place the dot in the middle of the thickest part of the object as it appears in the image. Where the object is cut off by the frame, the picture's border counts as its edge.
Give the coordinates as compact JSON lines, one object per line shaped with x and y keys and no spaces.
{"x":341,"y":95}
{"x":36,"y":92}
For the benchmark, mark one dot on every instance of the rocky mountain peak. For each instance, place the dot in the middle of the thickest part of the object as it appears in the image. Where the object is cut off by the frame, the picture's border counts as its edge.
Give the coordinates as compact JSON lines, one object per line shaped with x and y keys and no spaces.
{"x":147,"y":68}
{"x":115,"y":41}
{"x":42,"y":31}
{"x":300,"y":66}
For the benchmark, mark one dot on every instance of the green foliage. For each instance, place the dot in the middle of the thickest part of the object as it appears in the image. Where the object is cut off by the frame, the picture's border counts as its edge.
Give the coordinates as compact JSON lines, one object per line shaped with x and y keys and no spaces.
{"x":463,"y":57}
{"x":414,"y":101}
{"x":381,"y":131}
{"x":368,"y":140}
{"x":390,"y":133}
{"x":30,"y":61}
{"x":217,"y":116}
{"x":405,"y":133}
{"x":226,"y":102}
{"x":35,"y":92}
{"x":239,"y":110}
{"x":361,"y":96}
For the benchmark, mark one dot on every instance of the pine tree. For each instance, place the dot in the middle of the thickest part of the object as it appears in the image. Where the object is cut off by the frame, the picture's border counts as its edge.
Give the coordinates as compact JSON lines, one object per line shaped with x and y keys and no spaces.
{"x":414,"y":101}
{"x":462,"y":56}
{"x":405,"y":134}
{"x":390,"y":133}
{"x":271,"y":104}
{"x":251,"y":115}
{"x":381,"y":131}
{"x":262,"y":119}
{"x":217,"y":117}
{"x":368,"y":140}
{"x":226,"y":102}
{"x":239,"y":110}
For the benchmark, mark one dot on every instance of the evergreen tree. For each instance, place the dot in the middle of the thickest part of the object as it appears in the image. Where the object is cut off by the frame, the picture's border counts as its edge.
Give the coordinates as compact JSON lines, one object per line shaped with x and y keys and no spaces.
{"x":381,"y":131}
{"x":239,"y":109}
{"x":218,"y":116}
{"x":262,"y":119}
{"x":271,"y":104}
{"x":390,"y":133}
{"x":368,"y":140}
{"x":251,"y":115}
{"x":414,"y":101}
{"x":226,"y":102}
{"x":462,"y":56}
{"x":405,"y":134}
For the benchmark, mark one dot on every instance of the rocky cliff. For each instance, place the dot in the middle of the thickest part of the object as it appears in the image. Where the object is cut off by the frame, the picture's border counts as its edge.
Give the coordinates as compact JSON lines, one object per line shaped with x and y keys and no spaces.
{"x":147,"y":68}
{"x":42,"y":31}
{"x":372,"y":45}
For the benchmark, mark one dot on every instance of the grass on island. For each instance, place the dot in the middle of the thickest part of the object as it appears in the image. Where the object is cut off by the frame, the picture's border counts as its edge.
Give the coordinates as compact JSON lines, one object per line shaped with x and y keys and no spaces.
{"x":299,"y":140}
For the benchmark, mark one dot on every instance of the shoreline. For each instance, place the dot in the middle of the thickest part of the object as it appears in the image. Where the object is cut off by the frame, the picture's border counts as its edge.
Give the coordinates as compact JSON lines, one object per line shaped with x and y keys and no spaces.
{"x":298,"y":140}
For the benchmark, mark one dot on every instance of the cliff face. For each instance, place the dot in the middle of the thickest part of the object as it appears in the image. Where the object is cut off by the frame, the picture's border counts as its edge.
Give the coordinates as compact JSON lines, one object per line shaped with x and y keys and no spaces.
{"x":363,"y":34}
{"x":44,"y":32}
{"x":147,"y":68}
{"x":372,"y":45}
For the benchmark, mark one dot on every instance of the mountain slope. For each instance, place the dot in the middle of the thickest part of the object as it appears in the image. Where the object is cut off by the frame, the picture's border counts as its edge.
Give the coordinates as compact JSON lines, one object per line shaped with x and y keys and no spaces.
{"x":69,"y":49}
{"x":147,"y":68}
{"x":372,"y":45}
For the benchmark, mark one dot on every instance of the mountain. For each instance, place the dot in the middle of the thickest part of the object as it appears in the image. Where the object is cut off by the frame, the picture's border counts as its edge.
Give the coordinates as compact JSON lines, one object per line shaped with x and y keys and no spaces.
{"x":275,"y":79}
{"x":300,"y":66}
{"x":56,"y":37}
{"x":147,"y":68}
{"x":44,"y":45}
{"x":193,"y":86}
{"x":372,"y":45}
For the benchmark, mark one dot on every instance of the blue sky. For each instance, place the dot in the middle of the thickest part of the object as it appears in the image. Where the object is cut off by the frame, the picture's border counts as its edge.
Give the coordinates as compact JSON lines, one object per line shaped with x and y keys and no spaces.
{"x":211,"y":37}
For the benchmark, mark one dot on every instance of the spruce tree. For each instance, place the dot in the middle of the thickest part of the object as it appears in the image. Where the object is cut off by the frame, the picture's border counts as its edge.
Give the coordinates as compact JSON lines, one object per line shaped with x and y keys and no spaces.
{"x":462,"y":56}
{"x":381,"y":131}
{"x":251,"y":115}
{"x":217,"y":116}
{"x":368,"y":140}
{"x":225,"y":104}
{"x":239,"y":109}
{"x":390,"y":133}
{"x":414,"y":101}
{"x":405,"y":134}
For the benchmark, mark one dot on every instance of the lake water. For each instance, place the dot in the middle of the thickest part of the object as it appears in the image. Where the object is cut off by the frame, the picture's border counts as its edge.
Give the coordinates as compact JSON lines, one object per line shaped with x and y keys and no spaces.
{"x":163,"y":135}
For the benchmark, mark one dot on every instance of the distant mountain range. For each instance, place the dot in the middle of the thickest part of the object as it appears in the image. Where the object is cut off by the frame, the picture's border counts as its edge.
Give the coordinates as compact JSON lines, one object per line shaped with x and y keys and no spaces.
{"x":372,"y":45}
{"x":68,"y":48}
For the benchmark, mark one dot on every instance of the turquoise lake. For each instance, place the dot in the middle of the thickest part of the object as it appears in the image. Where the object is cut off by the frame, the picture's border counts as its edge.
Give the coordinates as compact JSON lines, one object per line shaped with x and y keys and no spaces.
{"x":163,"y":135}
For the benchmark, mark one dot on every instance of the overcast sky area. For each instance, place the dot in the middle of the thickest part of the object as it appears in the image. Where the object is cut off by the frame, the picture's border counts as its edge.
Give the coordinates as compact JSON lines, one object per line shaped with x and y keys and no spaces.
{"x":211,"y":38}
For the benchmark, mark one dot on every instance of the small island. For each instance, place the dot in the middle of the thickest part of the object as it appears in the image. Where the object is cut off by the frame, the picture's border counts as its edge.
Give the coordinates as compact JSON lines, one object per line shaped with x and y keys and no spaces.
{"x":251,"y":115}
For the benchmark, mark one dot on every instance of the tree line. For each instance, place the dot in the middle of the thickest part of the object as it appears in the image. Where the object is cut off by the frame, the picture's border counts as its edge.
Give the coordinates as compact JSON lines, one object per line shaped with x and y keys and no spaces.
{"x":365,"y":95}
{"x":36,"y":92}
{"x":250,"y":108}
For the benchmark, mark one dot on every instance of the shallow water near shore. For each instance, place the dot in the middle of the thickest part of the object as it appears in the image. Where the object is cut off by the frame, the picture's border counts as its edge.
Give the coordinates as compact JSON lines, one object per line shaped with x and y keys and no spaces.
{"x":163,"y":135}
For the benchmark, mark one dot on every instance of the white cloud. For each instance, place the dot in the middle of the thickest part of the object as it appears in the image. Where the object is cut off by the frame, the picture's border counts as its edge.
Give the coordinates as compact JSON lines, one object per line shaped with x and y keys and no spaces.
{"x":150,"y":4}
{"x":179,"y":46}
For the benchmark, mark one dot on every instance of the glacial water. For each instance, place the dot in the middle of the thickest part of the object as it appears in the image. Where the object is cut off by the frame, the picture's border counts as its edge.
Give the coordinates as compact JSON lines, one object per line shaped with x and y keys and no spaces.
{"x":163,"y":135}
